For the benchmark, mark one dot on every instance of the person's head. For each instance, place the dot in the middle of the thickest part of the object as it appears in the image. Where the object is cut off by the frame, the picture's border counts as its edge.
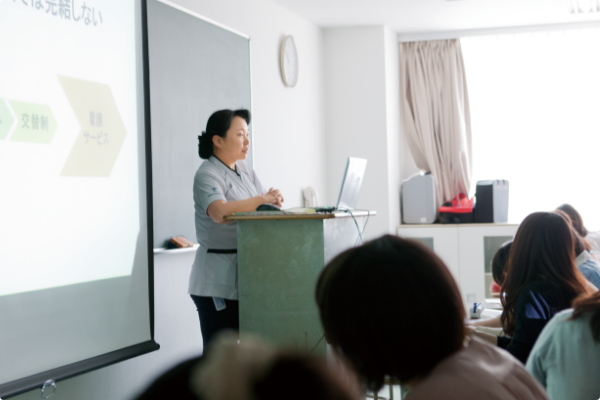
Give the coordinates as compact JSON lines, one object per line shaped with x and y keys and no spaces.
{"x":226,"y":135}
{"x":383,"y":306}
{"x":579,"y":242}
{"x":500,"y":262}
{"x":253,"y":370}
{"x":309,"y":376}
{"x":543,"y":251}
{"x":575,"y":218}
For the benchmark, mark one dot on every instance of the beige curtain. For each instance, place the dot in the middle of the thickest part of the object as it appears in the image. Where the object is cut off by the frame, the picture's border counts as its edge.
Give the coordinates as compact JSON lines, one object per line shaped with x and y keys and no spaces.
{"x":435,"y":113}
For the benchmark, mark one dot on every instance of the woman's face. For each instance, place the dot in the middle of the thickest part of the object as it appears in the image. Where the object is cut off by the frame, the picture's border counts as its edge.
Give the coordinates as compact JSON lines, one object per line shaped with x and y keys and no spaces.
{"x":236,"y":144}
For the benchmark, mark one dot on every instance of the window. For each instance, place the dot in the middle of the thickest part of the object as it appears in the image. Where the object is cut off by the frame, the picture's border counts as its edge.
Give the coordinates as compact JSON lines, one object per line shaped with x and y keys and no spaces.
{"x":535,"y":113}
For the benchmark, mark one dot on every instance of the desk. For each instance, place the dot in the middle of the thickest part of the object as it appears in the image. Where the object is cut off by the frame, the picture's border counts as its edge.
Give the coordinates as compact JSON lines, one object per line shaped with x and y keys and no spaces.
{"x":280,"y":258}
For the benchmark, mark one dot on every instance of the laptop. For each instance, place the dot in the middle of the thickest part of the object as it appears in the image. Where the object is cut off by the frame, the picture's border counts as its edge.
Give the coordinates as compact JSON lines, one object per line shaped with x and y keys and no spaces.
{"x":353,"y":177}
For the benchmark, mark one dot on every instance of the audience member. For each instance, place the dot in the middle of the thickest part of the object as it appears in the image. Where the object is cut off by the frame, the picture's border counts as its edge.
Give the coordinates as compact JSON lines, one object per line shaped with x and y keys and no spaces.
{"x":541,"y":281}
{"x":499,"y":263}
{"x":566,"y":357}
{"x":251,"y":370}
{"x":585,"y":263}
{"x":392,"y":309}
{"x":593,"y":238}
{"x":499,"y":267}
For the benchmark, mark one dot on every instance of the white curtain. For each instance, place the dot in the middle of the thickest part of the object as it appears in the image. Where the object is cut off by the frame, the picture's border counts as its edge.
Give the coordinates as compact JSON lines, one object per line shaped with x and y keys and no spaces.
{"x":435,"y":113}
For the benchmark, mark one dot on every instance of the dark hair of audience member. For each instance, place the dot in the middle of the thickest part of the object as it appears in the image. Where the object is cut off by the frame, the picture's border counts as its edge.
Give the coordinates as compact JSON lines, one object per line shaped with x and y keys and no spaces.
{"x":500,"y":262}
{"x":543,"y":251}
{"x":581,"y":244}
{"x":291,"y":376}
{"x":298,"y":377}
{"x":589,"y":304}
{"x":384,"y":306}
{"x":575,"y":217}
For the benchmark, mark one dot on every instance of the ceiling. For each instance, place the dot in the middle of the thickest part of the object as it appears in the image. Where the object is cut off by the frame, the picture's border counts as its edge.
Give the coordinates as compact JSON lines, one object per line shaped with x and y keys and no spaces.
{"x":421,"y":16}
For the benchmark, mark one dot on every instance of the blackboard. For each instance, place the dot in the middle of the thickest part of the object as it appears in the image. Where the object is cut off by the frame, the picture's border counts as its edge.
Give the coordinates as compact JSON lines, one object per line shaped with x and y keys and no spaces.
{"x":196,"y":68}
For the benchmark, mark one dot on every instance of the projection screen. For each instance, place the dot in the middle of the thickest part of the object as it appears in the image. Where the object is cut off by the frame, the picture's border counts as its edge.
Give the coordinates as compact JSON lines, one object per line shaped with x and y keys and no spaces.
{"x":76,"y":282}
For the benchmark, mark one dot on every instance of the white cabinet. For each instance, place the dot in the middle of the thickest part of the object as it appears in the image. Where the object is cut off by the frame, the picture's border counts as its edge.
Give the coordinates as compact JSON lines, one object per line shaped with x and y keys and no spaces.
{"x":466,"y":249}
{"x":443,"y":239}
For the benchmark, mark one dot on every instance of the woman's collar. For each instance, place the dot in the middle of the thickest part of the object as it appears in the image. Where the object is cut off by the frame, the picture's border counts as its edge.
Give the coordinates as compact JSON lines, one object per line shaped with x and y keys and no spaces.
{"x":228,"y":167}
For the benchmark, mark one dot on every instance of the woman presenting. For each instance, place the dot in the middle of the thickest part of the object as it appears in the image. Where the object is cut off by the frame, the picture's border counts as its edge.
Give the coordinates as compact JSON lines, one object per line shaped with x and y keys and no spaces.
{"x":224,"y":184}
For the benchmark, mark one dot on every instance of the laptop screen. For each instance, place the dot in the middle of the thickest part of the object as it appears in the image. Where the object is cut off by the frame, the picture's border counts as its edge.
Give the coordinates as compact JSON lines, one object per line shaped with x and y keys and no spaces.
{"x":355,"y":170}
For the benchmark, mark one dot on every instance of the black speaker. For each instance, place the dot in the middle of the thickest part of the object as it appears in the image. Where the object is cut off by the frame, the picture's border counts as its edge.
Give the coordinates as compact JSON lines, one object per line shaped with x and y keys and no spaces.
{"x":492,"y":201}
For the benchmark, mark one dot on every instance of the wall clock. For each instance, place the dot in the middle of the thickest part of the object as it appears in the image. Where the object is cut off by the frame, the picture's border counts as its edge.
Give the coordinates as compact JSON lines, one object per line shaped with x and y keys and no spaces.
{"x":288,"y":61}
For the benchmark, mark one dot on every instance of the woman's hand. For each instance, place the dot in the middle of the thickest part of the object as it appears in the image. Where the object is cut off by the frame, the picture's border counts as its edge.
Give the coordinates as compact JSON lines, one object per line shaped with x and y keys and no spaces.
{"x":489,"y":323}
{"x":219,"y":209}
{"x":472,"y":332}
{"x":273,"y":196}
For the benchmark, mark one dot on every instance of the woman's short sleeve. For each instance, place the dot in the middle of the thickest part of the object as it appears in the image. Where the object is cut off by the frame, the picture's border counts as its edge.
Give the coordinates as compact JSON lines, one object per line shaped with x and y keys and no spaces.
{"x":535,"y":307}
{"x":208,"y":189}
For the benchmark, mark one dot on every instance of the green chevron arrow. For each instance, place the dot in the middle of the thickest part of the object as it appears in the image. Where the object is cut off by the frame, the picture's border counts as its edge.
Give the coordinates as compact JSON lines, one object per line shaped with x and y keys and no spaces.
{"x":102,"y":133}
{"x":35,"y":122}
{"x":6,"y":120}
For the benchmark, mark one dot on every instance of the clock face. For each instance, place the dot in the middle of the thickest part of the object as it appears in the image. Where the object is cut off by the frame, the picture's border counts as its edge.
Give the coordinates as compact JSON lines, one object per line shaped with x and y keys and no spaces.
{"x":289,"y":62}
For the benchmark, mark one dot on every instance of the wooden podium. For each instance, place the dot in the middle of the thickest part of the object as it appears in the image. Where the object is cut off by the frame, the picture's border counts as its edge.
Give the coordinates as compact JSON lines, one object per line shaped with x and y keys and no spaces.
{"x":280,"y":258}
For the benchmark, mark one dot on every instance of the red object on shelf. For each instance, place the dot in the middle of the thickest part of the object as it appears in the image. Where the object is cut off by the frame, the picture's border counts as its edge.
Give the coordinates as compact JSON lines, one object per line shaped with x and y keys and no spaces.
{"x":460,"y":205}
{"x":494,"y":287}
{"x":459,"y":211}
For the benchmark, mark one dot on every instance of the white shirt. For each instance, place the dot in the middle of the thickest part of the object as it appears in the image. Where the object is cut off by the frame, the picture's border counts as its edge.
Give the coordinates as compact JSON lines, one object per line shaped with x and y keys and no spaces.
{"x":215,"y":274}
{"x":594,"y":240}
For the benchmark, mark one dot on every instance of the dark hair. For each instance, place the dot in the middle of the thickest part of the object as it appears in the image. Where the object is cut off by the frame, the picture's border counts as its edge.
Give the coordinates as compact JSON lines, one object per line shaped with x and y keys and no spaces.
{"x":305,"y":377}
{"x":575,"y":218}
{"x":500,"y":262}
{"x":542,"y":251}
{"x":308,"y":377}
{"x":383,"y":306}
{"x":218,"y":124}
{"x":589,"y":304}
{"x":579,"y":242}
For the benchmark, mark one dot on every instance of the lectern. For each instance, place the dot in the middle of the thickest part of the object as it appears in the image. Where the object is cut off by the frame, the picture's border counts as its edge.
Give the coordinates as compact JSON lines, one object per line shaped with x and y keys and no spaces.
{"x":280,"y":258}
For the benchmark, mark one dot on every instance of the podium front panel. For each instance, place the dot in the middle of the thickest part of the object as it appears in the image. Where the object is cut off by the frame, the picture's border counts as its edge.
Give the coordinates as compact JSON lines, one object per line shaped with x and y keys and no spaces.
{"x":279,"y":262}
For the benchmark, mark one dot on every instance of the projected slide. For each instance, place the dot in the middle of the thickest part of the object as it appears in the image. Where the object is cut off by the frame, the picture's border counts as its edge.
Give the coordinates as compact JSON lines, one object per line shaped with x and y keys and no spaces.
{"x":69,"y":145}
{"x":92,"y":153}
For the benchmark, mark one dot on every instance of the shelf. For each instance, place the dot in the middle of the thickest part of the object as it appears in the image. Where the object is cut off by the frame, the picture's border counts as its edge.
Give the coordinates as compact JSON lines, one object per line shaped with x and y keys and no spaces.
{"x":176,"y":251}
{"x":402,"y":226}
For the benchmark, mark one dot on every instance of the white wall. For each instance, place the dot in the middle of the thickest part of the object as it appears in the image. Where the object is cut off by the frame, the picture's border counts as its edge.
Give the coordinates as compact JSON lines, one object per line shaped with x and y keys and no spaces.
{"x":289,"y":145}
{"x":395,"y":145}
{"x":289,"y":150}
{"x":362,"y":107}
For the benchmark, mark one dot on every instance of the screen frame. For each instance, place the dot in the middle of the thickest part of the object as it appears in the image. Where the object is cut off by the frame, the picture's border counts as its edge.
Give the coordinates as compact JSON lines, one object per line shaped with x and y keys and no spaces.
{"x":36,"y":381}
